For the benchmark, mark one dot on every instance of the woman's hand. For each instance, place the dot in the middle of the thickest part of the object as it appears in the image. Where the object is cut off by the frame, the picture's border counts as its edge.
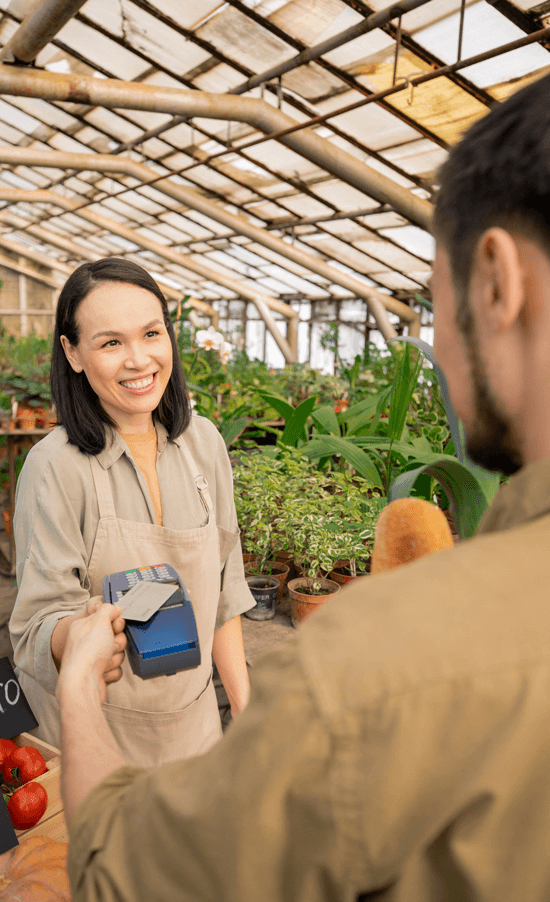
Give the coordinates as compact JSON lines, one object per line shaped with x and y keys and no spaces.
{"x":94,"y":651}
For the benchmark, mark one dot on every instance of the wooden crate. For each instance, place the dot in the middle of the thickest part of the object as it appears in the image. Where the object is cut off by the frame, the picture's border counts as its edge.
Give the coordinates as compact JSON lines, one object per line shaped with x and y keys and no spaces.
{"x":52,"y":823}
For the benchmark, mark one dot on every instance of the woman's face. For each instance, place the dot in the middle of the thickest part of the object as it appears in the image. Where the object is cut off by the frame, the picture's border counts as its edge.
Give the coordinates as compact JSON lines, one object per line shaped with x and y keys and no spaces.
{"x":124,"y":350}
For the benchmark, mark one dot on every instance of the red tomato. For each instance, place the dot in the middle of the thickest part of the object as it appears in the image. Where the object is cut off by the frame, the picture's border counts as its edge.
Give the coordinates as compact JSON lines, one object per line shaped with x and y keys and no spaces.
{"x":7,"y":746}
{"x":22,"y":765}
{"x":27,"y":805}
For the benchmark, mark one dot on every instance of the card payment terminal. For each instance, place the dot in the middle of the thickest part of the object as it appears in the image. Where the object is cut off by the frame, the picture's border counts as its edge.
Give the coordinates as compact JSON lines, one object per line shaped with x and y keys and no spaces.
{"x":168,"y":641}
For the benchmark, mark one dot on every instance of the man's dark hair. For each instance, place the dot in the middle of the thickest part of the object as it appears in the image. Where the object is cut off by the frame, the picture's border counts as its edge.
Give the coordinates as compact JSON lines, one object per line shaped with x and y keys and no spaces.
{"x":498,"y":175}
{"x":76,"y":404}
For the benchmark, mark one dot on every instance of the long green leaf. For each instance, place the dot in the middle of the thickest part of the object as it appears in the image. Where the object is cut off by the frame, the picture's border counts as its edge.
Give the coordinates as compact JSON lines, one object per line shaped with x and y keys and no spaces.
{"x":329,"y":444}
{"x":366,"y":415}
{"x":192,"y":386}
{"x":404,"y":449}
{"x":488,"y":480}
{"x":362,"y":406}
{"x":279,"y":404}
{"x":294,"y":426}
{"x":231,"y":431}
{"x":325,"y":418}
{"x":467,"y":498}
{"x":454,"y":424}
{"x":404,"y":384}
{"x":383,"y":400}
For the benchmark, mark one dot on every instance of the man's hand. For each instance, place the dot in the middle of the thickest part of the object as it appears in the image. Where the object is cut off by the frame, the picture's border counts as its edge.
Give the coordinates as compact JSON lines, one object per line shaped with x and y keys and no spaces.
{"x":94,"y":651}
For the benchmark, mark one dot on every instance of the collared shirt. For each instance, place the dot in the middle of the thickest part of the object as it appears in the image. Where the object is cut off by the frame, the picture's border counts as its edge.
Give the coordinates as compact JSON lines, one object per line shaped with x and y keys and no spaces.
{"x":398,"y":745}
{"x":56,"y":521}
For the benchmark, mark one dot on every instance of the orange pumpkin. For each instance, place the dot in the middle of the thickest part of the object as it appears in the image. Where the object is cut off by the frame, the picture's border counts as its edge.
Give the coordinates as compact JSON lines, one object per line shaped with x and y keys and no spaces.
{"x":407,"y":529}
{"x":35,"y":871}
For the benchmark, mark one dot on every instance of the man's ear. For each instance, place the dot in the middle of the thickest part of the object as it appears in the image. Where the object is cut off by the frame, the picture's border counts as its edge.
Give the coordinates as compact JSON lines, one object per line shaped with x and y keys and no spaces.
{"x":497,"y":283}
{"x":71,"y":353}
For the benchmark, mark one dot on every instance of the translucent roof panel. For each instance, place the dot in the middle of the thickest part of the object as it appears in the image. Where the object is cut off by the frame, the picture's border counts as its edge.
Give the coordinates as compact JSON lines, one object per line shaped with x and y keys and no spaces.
{"x":286,"y":194}
{"x":484,"y":29}
{"x":243,"y":40}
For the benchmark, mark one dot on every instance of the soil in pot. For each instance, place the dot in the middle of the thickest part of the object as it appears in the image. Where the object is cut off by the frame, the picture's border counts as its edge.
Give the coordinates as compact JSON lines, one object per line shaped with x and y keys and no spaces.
{"x":264,"y":592}
{"x":303,"y":603}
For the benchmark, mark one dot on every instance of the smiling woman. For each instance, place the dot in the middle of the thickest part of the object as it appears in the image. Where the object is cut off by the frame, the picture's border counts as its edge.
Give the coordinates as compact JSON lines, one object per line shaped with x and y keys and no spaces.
{"x":113,"y":327}
{"x":128,"y":367}
{"x":128,"y":479}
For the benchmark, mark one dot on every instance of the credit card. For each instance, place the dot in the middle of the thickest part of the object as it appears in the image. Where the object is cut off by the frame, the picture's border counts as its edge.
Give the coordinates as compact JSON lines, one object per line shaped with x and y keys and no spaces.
{"x":144,"y":599}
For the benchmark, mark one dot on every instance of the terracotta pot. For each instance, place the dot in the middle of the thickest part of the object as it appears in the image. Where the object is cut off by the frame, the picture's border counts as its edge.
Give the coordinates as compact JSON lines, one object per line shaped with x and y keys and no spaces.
{"x":26,"y":419}
{"x":49,"y":419}
{"x":342,"y":578}
{"x":339,"y":565}
{"x":45,"y":419}
{"x":7,"y":522}
{"x":303,"y":605}
{"x":285,"y":557}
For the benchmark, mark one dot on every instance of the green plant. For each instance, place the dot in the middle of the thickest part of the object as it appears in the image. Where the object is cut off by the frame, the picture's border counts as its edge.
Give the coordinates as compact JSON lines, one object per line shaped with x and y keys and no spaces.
{"x":470,"y":489}
{"x":25,"y":377}
{"x":285,"y":502}
{"x":259,"y":485}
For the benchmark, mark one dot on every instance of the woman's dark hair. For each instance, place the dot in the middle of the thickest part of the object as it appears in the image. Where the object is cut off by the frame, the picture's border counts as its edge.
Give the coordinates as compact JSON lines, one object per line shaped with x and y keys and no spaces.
{"x":76,"y":404}
{"x":498,"y":175}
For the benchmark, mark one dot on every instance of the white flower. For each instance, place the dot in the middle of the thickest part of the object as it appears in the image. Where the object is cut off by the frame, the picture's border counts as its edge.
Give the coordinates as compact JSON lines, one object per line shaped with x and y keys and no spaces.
{"x":209,"y":338}
{"x":225,"y":351}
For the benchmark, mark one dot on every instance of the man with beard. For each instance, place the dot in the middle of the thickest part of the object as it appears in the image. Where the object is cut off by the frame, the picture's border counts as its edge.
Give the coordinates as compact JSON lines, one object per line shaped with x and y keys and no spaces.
{"x":398,"y":746}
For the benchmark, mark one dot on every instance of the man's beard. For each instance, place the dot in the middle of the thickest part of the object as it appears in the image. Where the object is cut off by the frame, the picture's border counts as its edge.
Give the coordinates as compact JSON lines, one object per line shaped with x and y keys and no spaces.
{"x":490,"y":442}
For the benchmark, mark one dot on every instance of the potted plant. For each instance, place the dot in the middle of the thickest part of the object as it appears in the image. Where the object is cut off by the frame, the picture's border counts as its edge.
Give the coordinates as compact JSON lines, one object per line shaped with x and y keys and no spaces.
{"x":328,"y":517}
{"x":259,"y":486}
{"x":5,"y":411}
{"x":315,"y":553}
{"x":356,"y":546}
{"x":26,"y":378}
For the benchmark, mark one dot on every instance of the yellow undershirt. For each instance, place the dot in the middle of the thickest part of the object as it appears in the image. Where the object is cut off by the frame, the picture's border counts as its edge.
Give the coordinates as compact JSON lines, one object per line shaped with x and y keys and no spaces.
{"x":143,"y":447}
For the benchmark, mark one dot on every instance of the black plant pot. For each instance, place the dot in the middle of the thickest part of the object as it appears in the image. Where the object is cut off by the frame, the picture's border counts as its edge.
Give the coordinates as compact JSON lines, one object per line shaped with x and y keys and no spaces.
{"x":264,"y":591}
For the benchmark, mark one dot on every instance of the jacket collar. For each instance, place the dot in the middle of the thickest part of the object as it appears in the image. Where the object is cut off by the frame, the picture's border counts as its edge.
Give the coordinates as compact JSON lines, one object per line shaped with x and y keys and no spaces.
{"x":525,"y":497}
{"x":116,"y":446}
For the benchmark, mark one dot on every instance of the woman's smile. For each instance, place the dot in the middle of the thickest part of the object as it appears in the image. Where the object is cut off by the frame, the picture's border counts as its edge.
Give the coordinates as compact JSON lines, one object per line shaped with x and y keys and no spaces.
{"x":140,"y":386}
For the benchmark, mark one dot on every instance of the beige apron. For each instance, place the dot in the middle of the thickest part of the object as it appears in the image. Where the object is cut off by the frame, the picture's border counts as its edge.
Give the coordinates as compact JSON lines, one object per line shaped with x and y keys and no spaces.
{"x":163,"y":718}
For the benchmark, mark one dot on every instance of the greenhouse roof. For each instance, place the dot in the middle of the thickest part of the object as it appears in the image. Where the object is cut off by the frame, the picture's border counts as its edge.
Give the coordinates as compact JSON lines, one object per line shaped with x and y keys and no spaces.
{"x":255,"y":200}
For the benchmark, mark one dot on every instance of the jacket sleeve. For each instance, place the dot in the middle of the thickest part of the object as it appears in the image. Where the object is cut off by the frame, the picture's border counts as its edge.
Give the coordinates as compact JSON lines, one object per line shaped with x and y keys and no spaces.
{"x":51,"y":564}
{"x":235,"y":596}
{"x":252,"y":819}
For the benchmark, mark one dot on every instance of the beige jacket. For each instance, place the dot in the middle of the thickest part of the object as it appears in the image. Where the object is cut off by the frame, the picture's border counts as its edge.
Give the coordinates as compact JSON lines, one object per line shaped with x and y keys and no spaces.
{"x":56,"y":521}
{"x":398,"y":745}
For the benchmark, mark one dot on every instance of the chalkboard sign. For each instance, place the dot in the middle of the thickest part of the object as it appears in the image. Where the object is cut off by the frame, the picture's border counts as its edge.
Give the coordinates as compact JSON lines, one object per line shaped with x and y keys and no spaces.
{"x":15,"y":712}
{"x":8,"y":836}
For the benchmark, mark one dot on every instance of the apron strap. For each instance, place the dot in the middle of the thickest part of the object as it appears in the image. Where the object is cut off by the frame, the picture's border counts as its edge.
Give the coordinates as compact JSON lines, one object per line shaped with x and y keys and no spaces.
{"x":105,"y":495}
{"x":103,"y":490}
{"x":200,"y":481}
